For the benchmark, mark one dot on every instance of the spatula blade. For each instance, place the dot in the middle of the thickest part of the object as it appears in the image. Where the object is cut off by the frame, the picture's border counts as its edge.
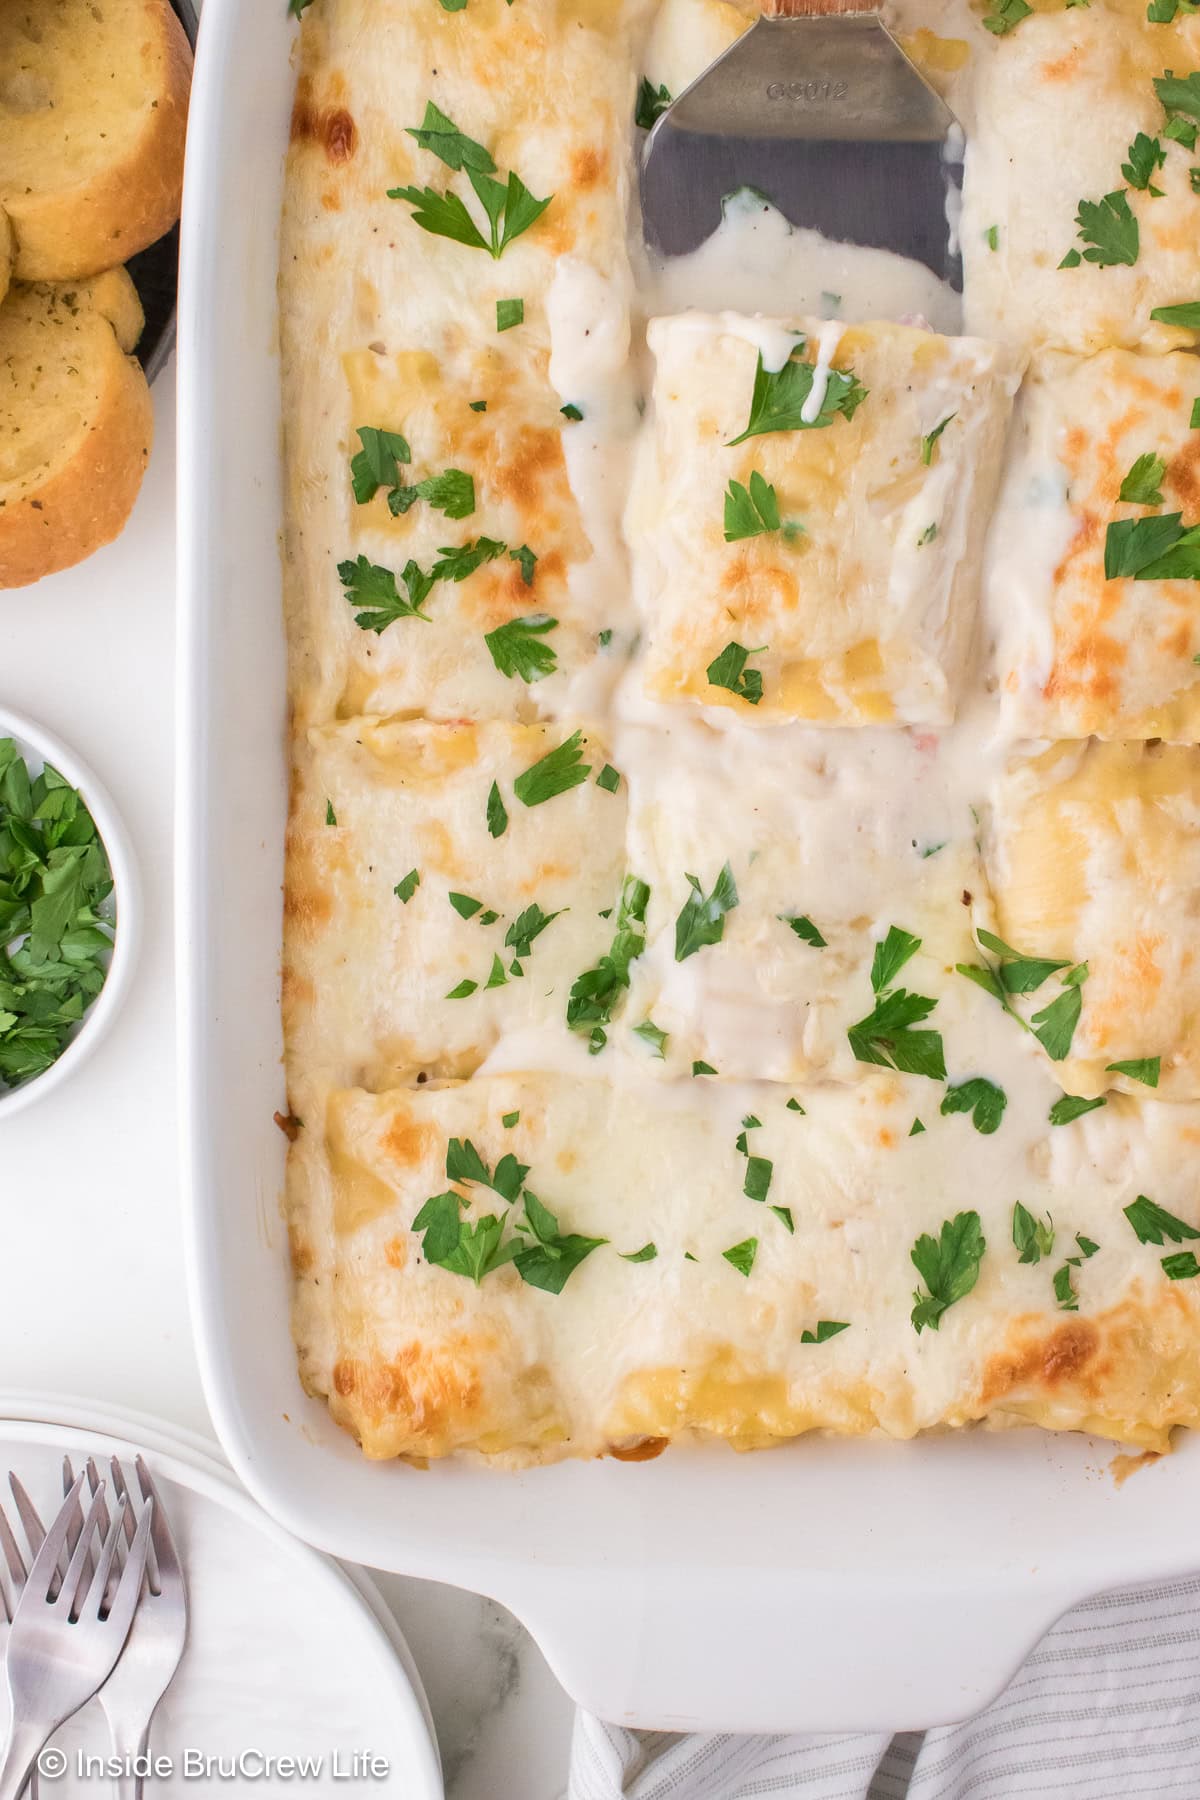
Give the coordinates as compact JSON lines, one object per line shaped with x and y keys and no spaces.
{"x":828,"y":119}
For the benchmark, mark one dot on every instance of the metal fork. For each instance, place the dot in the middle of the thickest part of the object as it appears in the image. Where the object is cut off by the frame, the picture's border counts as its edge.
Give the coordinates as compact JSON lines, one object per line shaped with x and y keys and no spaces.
{"x":64,"y":1641}
{"x":10,"y":1593}
{"x":156,"y":1639}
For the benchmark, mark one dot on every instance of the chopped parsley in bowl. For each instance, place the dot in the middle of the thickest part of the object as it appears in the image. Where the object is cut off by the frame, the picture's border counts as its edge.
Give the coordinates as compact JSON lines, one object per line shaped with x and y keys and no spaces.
{"x":61,"y":971}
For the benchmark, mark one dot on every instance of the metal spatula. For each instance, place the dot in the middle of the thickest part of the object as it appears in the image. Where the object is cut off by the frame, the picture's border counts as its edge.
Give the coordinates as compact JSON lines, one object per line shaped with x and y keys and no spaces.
{"x":818,"y":107}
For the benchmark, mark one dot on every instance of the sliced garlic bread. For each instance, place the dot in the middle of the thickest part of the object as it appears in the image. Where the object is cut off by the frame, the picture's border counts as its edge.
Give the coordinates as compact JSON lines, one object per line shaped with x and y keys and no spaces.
{"x":93,"y":112}
{"x":75,"y":421}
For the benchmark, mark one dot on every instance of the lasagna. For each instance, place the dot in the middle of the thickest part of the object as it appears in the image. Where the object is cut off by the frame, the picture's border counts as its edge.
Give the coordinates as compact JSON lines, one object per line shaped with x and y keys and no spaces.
{"x":739,"y":969}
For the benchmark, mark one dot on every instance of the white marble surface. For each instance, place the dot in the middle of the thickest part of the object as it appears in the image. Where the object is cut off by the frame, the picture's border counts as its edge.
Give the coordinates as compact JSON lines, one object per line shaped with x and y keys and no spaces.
{"x":88,"y":1186}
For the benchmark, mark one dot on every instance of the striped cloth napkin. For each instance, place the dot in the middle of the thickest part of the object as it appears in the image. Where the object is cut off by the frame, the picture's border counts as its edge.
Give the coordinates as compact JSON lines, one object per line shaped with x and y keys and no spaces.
{"x":1106,"y":1708}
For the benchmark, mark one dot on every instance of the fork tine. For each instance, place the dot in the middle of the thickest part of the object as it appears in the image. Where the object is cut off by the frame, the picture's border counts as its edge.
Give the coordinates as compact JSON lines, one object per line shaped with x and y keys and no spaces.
{"x":12,"y":1555}
{"x":45,"y":1563}
{"x":74,"y":1585}
{"x":35,"y":1531}
{"x":76,"y":1526}
{"x":164,"y":1557}
{"x":120,"y":1614}
{"x":112,"y":1537}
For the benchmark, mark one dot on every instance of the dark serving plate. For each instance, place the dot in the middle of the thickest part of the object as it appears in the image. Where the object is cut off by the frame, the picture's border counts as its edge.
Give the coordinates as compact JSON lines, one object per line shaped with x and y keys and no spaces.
{"x":155,"y":270}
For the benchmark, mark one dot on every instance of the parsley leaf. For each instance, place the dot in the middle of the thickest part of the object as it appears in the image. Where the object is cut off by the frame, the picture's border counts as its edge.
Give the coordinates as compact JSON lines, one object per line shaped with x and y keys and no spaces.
{"x":1153,"y":1224}
{"x":473,"y":1250}
{"x":949,"y":1267}
{"x":702,"y":1068}
{"x":1032,"y":1238}
{"x":509,"y":313}
{"x":702,"y":919}
{"x":374,"y":589}
{"x":497,"y":817}
{"x":1064,"y":1291}
{"x":1018,"y":973}
{"x":1005,"y":14}
{"x":572,"y":412}
{"x":405,"y":889}
{"x":1187,"y":313}
{"x":652,"y":102}
{"x":528,"y":562}
{"x":553,"y":1256}
{"x":516,"y":648}
{"x":804,"y":929}
{"x":1146,"y":155}
{"x":528,"y":925}
{"x":457,"y":561}
{"x":441,"y":135}
{"x":1111,"y":230}
{"x":296,"y":7}
{"x":729,"y":671}
{"x":375,"y":465}
{"x":759,"y":1171}
{"x":560,"y":770}
{"x":647,"y":1253}
{"x":442,"y":215}
{"x":741,"y":1256}
{"x":452,"y":492}
{"x":891,"y":955}
{"x":650,"y":1034}
{"x":1152,"y":549}
{"x":1145,"y":1069}
{"x":1054,"y":1026}
{"x":609,"y":779}
{"x":1182,"y":1266}
{"x":1072,"y":1106}
{"x":981,"y":1098}
{"x":463,"y":991}
{"x":1141,"y":486}
{"x":330,"y":815}
{"x":780,"y":395}
{"x":1179,"y":93}
{"x":826,"y":1329}
{"x":886,"y":1038}
{"x":596,"y":992}
{"x":927,"y":443}
{"x":750,"y":511}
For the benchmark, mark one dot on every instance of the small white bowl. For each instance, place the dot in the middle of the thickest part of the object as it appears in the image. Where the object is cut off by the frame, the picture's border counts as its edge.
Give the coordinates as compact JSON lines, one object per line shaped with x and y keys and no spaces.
{"x":43,"y":746}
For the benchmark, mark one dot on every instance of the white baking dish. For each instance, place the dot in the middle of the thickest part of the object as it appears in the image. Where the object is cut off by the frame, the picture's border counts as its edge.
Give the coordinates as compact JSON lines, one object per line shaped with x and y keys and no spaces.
{"x":828,"y":1586}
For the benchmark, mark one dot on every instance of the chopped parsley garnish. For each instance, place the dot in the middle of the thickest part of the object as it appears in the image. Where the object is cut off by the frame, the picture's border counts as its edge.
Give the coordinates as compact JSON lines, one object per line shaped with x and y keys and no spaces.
{"x":1187,"y":313}
{"x":1181,"y":131}
{"x":296,"y":7}
{"x":647,"y":1253}
{"x":916,"y":1128}
{"x":1155,"y":1225}
{"x":478,"y":405}
{"x":886,"y":1036}
{"x":595,"y":993}
{"x":1004,"y":15}
{"x":509,"y":313}
{"x":517,"y":648}
{"x":464,"y":905}
{"x":927,"y":536}
{"x":1179,"y":94}
{"x":1146,"y":155}
{"x":526,"y":927}
{"x":373,"y":589}
{"x":497,"y":977}
{"x":1141,"y":486}
{"x":652,"y":102}
{"x":1018,"y":973}
{"x":1152,"y":549}
{"x":452,"y":492}
{"x":826,"y":1329}
{"x":609,"y":779}
{"x":702,"y":920}
{"x":509,"y":206}
{"x":949,"y":1267}
{"x":981,"y":1098}
{"x":1072,"y":1106}
{"x":464,"y":1164}
{"x":457,"y":561}
{"x":741,"y":1256}
{"x":330,"y":815}
{"x":927,"y":443}
{"x":780,"y":396}
{"x":784,"y":1215}
{"x":450,"y":1242}
{"x":560,"y":770}
{"x":991,"y":237}
{"x":1064,"y":1291}
{"x":553,"y":1256}
{"x":1145,"y":1069}
{"x":497,"y":816}
{"x":572,"y":412}
{"x":528,"y":561}
{"x":793,"y":1105}
{"x":55,"y":932}
{"x":508,"y":1120}
{"x":375,"y":466}
{"x":1032,"y":1237}
{"x":650,"y":1034}
{"x":759,"y":1171}
{"x":729,"y":671}
{"x":1181,"y":1266}
{"x":702,"y":1068}
{"x":604,"y":638}
{"x":804,"y":929}
{"x":1109,"y":229}
{"x":750,"y":511}
{"x":463,"y":991}
{"x":405,"y":889}
{"x":1054,"y":1026}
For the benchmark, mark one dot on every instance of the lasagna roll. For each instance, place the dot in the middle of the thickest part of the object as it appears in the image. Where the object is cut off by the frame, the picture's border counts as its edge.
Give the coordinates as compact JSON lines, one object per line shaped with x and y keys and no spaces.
{"x":429,"y":906}
{"x":807,"y":516}
{"x":455,"y":333}
{"x":1090,"y":640}
{"x":1079,"y":219}
{"x":1093,"y":858}
{"x":533,"y":1266}
{"x":764,"y":917}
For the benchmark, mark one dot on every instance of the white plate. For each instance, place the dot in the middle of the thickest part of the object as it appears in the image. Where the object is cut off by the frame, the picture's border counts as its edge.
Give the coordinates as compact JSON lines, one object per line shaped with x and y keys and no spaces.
{"x":825,"y":1586}
{"x":41,"y":747}
{"x":288,"y":1654}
